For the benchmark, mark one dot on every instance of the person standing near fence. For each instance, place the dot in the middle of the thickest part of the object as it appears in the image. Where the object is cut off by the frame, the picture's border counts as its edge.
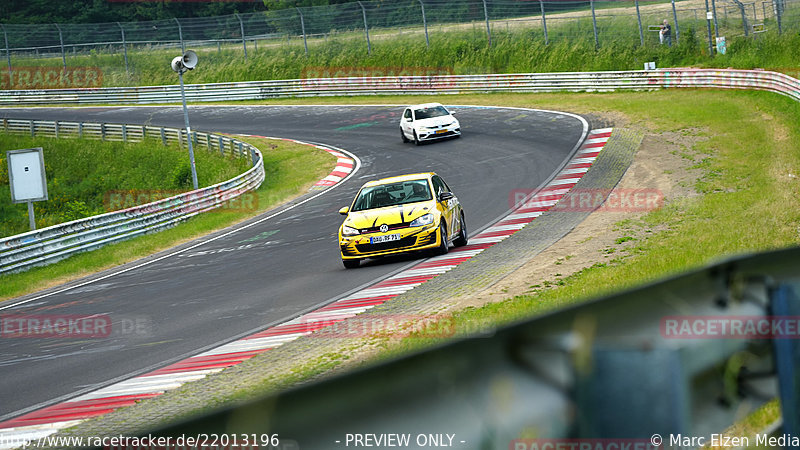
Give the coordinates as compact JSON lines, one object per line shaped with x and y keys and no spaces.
{"x":665,"y":35}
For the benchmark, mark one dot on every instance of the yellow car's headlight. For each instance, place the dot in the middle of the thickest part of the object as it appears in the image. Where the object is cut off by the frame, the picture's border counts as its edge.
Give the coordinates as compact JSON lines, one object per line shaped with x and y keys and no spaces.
{"x":421,"y":221}
{"x":349,"y":231}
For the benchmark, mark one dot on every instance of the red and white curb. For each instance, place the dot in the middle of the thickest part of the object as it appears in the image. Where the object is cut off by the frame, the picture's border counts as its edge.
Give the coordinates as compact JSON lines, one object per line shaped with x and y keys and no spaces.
{"x":344,"y":163}
{"x":46,"y":421}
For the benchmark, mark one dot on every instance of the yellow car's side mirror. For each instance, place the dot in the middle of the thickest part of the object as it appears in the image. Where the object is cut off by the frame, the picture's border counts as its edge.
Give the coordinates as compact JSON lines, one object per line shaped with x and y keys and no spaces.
{"x":344,"y":211}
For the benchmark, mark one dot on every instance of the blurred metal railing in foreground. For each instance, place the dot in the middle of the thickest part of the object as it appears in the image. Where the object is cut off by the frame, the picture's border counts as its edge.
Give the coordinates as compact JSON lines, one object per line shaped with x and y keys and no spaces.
{"x":51,"y":244}
{"x":423,"y":85}
{"x":600,"y":373}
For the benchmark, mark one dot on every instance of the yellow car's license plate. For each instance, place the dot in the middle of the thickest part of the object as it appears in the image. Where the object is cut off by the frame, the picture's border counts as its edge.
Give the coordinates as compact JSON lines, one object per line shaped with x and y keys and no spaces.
{"x":386,"y":238}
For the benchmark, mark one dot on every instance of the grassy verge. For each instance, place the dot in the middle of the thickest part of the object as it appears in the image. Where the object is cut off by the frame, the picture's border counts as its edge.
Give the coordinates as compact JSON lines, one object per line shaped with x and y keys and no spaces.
{"x":520,"y":49}
{"x":745,"y":198}
{"x":87,"y":177}
{"x":290,"y":170}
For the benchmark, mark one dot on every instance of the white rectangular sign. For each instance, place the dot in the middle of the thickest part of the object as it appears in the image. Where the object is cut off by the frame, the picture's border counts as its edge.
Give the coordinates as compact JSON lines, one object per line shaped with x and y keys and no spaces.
{"x":26,"y":175}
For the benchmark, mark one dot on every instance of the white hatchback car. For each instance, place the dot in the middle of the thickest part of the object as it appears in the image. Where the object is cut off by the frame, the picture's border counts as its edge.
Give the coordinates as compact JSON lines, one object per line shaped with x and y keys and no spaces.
{"x":427,"y":122}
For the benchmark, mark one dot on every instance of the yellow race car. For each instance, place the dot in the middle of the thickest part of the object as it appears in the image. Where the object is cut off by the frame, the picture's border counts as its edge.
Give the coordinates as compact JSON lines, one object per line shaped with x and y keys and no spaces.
{"x":401,"y":214}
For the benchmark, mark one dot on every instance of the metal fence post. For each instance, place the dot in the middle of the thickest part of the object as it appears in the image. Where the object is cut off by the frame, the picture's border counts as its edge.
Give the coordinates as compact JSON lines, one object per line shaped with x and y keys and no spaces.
{"x":675,"y":20}
{"x":714,"y":12}
{"x":544,"y":22}
{"x":708,"y":26}
{"x":33,"y":129}
{"x":124,"y":133}
{"x":124,"y":48}
{"x":180,"y":35}
{"x":594,"y":25}
{"x":102,"y":131}
{"x":241,"y":30}
{"x":488,"y":29}
{"x":744,"y":16}
{"x":80,"y":129}
{"x":639,"y":19}
{"x":63,"y":54}
{"x":424,"y":24}
{"x":221,"y":146}
{"x":303,"y":29}
{"x":778,"y":5}
{"x":8,"y":56}
{"x":366,"y":27}
{"x":163,"y":137}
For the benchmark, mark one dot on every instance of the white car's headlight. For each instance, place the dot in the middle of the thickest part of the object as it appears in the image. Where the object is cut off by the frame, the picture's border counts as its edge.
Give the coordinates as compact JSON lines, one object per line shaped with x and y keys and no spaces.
{"x":349,"y":231}
{"x":427,"y":219}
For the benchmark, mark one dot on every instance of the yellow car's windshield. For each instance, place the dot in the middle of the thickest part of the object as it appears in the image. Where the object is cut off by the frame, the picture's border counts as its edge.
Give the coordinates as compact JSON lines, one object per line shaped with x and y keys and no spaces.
{"x":392,"y":194}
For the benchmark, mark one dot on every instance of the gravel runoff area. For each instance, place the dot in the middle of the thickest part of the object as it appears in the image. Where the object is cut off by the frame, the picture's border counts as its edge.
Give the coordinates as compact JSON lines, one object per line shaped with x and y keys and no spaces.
{"x":320,"y":354}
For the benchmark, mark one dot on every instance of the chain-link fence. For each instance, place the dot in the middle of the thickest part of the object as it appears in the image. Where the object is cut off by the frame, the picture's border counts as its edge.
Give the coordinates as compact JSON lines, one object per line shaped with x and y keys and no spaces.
{"x":636,"y":22}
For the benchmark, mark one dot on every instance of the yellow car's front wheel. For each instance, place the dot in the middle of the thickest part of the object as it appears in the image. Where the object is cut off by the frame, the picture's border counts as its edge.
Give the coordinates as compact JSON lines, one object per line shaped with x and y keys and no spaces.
{"x":443,"y":247}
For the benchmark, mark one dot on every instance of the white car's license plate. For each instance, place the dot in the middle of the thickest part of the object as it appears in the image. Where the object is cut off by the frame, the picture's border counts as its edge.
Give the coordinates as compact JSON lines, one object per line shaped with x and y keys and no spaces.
{"x":441,"y":131}
{"x":386,"y":238}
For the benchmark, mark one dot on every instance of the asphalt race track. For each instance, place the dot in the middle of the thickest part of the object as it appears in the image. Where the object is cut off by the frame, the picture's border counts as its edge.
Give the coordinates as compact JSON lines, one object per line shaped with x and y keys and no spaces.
{"x":176,"y":306}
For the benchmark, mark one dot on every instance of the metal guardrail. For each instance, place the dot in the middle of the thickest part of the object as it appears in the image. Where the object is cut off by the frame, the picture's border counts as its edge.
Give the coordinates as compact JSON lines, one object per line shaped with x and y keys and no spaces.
{"x":605,"y":374}
{"x":424,"y":85}
{"x":51,"y":244}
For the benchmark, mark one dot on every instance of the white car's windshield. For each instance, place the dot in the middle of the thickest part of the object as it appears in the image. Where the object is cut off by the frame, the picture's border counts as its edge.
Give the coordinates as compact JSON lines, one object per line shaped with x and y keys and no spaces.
{"x":427,"y":113}
{"x":392,"y":194}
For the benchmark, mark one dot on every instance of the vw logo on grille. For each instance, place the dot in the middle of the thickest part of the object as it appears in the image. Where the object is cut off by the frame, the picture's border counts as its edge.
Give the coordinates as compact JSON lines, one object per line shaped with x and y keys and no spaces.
{"x":384,"y":228}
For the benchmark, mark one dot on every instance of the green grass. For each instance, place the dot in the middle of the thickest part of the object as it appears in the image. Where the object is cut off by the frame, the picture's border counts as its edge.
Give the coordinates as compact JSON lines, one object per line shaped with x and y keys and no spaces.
{"x":290,"y":170}
{"x":84,"y":176}
{"x":749,"y":164}
{"x":521,"y":49}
